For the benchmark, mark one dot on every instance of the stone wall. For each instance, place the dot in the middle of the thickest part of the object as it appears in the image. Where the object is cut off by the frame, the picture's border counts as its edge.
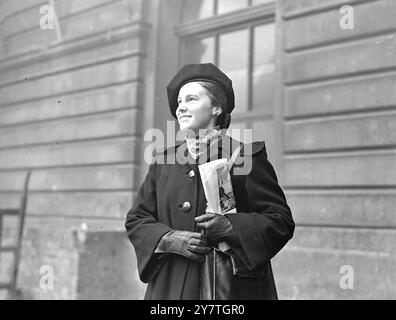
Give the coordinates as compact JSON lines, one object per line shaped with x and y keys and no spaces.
{"x":339,"y":138}
{"x":71,"y":101}
{"x":76,"y":100}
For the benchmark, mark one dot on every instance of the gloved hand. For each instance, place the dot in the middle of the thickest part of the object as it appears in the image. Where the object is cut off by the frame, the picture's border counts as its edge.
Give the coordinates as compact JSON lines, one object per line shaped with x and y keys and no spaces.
{"x":217,"y":228}
{"x":191,"y":245}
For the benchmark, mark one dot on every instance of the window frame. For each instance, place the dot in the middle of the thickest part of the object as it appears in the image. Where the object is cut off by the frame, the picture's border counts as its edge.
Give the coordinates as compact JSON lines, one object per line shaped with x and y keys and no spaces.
{"x":243,"y":19}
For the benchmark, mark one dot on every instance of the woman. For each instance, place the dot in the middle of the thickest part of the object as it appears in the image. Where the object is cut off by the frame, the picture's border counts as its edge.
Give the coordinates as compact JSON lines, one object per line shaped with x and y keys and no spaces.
{"x":165,"y":222}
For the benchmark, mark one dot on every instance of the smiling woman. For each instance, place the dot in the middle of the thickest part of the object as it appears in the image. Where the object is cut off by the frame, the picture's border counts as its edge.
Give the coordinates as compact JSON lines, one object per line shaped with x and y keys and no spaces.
{"x":195,"y":110}
{"x":169,"y":226}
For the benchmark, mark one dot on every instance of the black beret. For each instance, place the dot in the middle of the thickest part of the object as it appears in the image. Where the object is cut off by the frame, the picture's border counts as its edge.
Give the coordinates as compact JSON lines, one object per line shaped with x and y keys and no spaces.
{"x":197,"y":72}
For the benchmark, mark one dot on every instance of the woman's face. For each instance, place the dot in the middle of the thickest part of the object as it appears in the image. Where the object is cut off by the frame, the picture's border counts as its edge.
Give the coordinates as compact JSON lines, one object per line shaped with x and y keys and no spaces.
{"x":195,"y":110}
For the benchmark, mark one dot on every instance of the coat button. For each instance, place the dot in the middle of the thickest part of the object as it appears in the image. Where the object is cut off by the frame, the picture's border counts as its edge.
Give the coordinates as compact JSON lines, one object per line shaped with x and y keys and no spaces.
{"x":186,"y":206}
{"x":191,"y":174}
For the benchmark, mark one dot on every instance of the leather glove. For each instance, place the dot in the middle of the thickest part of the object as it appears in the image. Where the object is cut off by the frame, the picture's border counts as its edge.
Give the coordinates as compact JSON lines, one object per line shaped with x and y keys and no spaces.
{"x":191,"y":245}
{"x":217,"y":228}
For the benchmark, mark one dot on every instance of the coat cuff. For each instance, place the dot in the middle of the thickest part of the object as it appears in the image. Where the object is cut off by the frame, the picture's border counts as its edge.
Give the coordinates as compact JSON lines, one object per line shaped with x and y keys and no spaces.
{"x":150,"y":263}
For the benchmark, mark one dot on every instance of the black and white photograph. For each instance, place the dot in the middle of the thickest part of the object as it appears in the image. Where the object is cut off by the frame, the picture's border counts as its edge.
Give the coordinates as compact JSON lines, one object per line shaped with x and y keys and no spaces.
{"x":198,"y":150}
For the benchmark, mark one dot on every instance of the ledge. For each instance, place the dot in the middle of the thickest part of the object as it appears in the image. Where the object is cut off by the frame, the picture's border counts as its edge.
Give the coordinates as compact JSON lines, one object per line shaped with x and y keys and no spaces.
{"x":250,"y":14}
{"x":133,"y":29}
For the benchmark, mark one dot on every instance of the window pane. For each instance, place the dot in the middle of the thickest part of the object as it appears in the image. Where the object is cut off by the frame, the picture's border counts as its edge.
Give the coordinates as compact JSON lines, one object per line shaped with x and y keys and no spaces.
{"x":197,"y":9}
{"x":233,"y":60}
{"x":224,"y":6}
{"x":255,"y":2}
{"x":263,"y":67}
{"x":199,"y":51}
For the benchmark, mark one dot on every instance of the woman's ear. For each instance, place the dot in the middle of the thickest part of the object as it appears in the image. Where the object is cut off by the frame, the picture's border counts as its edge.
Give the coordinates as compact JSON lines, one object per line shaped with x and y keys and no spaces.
{"x":217,"y":111}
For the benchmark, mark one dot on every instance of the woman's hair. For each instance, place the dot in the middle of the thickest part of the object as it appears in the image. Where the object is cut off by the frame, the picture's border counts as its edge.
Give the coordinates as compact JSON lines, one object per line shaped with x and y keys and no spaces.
{"x":218,"y":98}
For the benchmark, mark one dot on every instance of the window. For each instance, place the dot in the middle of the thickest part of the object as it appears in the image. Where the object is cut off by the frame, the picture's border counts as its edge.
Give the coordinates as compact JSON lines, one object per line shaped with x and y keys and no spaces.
{"x":263,"y":69}
{"x":197,"y":9}
{"x":224,"y":6}
{"x":199,"y":50}
{"x":239,"y":37}
{"x":233,"y":59}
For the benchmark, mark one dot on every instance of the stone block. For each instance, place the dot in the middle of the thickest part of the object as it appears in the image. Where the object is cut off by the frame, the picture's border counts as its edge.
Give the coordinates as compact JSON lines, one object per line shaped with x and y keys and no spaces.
{"x":341,"y":169}
{"x":98,"y":19}
{"x":117,"y":150}
{"x":71,"y":59}
{"x":32,"y":40}
{"x":85,"y":78}
{"x":118,"y":123}
{"x":292,"y":7}
{"x":85,"y":263}
{"x":96,"y":100}
{"x":353,"y":95}
{"x":107,"y":268}
{"x":373,"y":54}
{"x":344,"y":207}
{"x":310,"y":273}
{"x":320,"y":28}
{"x":365,"y":130}
{"x":81,"y":178}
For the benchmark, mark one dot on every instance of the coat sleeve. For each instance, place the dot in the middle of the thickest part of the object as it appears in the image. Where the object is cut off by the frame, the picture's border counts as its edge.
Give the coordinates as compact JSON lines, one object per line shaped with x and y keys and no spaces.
{"x":143,"y":229}
{"x":268,"y":226}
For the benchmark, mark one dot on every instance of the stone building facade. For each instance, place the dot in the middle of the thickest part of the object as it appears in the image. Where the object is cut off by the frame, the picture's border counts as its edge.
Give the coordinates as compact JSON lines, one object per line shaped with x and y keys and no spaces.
{"x":77,"y":99}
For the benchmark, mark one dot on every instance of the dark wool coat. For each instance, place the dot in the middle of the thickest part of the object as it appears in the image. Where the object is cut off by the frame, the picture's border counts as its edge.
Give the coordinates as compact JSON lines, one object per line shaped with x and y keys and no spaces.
{"x":263,"y":223}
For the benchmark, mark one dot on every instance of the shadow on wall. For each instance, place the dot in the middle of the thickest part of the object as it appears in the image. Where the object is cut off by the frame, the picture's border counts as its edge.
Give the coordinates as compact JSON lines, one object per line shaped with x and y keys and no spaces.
{"x":107,"y":268}
{"x":98,"y":266}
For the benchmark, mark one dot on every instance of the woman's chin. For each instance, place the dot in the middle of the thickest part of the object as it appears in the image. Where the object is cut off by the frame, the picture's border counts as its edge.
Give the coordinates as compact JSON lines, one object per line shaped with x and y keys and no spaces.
{"x":185,"y":126}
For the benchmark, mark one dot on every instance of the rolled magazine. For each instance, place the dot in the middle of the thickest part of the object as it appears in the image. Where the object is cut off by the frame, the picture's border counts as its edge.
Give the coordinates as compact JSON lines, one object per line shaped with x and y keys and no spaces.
{"x":216,"y":181}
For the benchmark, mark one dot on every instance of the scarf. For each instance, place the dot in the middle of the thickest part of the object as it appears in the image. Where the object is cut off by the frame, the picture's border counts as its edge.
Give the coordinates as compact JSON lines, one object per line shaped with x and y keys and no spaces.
{"x":197,"y":145}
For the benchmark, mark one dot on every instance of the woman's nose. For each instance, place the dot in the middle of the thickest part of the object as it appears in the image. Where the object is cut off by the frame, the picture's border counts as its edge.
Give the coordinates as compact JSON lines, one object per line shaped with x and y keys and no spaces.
{"x":182,"y":107}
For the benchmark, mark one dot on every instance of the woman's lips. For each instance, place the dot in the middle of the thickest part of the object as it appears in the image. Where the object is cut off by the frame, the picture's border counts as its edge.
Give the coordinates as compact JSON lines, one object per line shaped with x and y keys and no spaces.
{"x":182,"y":118}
